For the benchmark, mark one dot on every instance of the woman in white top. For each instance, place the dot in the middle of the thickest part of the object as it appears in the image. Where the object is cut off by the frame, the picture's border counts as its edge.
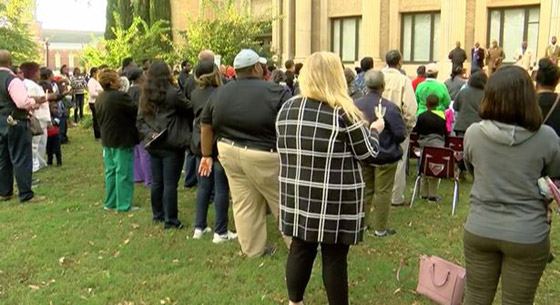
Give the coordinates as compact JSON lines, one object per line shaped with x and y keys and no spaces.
{"x":94,"y":89}
{"x":39,"y":143}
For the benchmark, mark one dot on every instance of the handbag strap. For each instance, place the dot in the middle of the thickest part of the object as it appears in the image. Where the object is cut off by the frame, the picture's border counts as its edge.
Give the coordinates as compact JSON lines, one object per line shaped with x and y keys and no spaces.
{"x":434,"y":277}
{"x":552,"y":108}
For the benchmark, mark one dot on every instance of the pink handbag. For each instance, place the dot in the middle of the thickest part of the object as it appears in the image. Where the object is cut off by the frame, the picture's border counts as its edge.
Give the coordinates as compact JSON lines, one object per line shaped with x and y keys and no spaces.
{"x":441,"y":281}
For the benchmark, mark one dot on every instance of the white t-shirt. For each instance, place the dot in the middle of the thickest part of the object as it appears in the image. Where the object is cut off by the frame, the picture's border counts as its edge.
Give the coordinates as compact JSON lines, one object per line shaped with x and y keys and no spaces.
{"x":43,"y":113}
{"x":94,"y":89}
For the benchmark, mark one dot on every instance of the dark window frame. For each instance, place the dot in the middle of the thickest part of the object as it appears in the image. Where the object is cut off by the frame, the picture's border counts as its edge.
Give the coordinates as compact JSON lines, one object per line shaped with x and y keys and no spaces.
{"x":357,"y":20}
{"x":412,"y":24}
{"x":502,"y":10}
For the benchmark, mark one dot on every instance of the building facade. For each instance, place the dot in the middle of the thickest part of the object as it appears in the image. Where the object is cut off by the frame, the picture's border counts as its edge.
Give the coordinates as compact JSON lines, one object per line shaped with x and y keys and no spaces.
{"x":425,"y":31}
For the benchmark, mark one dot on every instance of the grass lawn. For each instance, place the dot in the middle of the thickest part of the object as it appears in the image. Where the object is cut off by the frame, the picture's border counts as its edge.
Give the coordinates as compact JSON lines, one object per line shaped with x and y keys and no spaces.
{"x":68,"y":250}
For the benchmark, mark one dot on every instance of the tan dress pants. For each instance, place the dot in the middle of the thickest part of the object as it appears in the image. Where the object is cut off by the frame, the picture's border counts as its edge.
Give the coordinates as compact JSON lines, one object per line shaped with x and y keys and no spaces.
{"x":253,"y":182}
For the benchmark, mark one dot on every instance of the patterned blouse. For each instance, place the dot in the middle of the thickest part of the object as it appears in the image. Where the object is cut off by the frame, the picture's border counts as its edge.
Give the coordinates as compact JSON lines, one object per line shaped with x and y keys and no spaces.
{"x":321,"y":183}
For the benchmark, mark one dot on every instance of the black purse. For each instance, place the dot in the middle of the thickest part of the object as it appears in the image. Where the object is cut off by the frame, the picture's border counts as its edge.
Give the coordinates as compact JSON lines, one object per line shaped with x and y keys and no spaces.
{"x":35,"y":127}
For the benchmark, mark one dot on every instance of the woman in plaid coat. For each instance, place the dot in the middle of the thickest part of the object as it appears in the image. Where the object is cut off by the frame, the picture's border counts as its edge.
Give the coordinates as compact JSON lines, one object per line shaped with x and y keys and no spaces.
{"x":322,"y":138}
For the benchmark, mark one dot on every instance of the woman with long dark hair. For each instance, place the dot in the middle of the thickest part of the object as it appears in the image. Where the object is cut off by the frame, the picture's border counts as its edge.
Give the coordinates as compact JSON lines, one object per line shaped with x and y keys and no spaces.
{"x":164,"y":123}
{"x":507,"y":232}
{"x":208,"y":79}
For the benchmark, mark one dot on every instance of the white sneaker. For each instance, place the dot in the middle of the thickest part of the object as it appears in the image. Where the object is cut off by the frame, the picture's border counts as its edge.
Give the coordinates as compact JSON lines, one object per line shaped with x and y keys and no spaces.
{"x":199,"y":232}
{"x":218,"y":239}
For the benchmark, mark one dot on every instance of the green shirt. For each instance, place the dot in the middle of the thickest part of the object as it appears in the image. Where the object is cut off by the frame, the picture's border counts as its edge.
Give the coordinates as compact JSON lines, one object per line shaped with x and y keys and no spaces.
{"x":428,"y":87}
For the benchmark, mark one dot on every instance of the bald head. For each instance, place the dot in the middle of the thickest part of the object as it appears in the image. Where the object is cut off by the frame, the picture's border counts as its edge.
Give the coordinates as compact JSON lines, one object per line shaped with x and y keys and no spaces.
{"x":206,"y":55}
{"x":375,"y":80}
{"x":5,"y":59}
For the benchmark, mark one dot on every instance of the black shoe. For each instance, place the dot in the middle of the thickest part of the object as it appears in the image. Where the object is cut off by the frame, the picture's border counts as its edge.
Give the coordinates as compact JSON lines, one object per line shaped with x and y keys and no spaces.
{"x":177,"y":226}
{"x":157,"y":220}
{"x":435,"y":199}
{"x":385,"y":233}
{"x":269,"y":251}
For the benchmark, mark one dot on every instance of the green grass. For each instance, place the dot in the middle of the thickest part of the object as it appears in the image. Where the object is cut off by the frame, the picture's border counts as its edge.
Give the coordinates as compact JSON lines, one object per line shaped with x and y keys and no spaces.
{"x":68,"y":250}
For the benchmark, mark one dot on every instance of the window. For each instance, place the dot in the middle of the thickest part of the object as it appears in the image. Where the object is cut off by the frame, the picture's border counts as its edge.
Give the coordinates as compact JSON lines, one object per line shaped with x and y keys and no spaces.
{"x":420,"y":37}
{"x":511,"y":26}
{"x":345,"y":39}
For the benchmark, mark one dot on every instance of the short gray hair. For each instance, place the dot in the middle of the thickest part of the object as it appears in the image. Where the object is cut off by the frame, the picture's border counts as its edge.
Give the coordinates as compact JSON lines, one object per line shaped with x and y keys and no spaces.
{"x":375,"y":80}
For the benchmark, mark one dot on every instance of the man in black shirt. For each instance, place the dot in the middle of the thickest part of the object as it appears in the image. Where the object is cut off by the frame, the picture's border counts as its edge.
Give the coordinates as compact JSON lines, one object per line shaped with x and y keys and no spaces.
{"x":184,"y":74}
{"x":290,"y":74}
{"x":457,"y":56}
{"x":242,"y":115}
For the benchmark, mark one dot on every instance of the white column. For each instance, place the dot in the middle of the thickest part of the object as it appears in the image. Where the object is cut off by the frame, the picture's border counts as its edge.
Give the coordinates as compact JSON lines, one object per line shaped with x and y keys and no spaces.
{"x":303,"y":29}
{"x":371,"y":30}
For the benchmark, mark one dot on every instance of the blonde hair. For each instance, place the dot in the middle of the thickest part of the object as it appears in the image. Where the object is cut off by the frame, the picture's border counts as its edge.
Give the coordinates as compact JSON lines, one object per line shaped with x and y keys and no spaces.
{"x":322,"y":78}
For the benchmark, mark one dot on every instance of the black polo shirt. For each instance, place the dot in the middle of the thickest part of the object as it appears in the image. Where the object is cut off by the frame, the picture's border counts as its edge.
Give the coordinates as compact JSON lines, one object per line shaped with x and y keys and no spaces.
{"x":244,"y":111}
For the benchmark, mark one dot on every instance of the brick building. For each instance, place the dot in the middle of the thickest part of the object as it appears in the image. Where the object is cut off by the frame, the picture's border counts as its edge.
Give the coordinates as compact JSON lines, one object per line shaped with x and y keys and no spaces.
{"x":424,"y":31}
{"x":65,"y":47}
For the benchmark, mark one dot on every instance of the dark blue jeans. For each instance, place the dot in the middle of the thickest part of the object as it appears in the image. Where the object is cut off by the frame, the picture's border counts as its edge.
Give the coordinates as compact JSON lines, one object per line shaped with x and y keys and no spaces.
{"x":191,"y":170}
{"x":63,"y":129}
{"x":15,"y":159}
{"x":78,"y":107}
{"x":166,"y":171}
{"x":217,"y":182}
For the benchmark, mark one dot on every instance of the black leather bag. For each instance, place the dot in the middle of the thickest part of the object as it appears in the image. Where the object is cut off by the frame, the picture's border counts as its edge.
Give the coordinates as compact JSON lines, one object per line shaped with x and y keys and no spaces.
{"x":35,"y":127}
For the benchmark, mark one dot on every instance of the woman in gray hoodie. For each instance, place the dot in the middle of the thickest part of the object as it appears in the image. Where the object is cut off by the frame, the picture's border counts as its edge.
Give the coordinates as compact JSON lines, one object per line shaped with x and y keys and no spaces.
{"x":507,"y":232}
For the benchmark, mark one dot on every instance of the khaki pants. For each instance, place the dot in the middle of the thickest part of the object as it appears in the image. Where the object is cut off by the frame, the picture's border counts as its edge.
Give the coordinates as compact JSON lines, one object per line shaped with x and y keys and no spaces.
{"x":399,"y":185}
{"x":520,"y":266}
{"x":253,"y":182}
{"x":379,"y":185}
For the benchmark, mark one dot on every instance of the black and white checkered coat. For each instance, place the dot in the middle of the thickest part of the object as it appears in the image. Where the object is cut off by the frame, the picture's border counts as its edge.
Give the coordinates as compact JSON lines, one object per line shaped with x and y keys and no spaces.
{"x":321,"y":183}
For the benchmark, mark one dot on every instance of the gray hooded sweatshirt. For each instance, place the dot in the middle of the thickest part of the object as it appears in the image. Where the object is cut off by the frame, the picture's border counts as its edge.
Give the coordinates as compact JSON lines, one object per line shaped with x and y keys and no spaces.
{"x":506,"y":162}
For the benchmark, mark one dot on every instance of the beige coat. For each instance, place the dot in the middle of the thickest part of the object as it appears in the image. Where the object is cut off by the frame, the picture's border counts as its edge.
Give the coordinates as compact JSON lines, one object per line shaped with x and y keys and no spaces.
{"x":525,"y":60}
{"x":495,"y":58}
{"x":553,"y":52}
{"x":398,"y":89}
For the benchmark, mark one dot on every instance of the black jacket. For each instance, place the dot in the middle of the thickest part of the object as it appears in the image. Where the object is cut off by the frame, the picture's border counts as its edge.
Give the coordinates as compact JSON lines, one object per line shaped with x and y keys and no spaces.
{"x":458,"y":57}
{"x":116,"y":114}
{"x":174,"y":107}
{"x":395,"y":130}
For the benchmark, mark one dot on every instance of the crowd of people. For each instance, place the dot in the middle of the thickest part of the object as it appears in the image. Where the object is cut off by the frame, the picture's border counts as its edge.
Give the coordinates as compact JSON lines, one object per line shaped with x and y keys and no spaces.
{"x":321,"y":148}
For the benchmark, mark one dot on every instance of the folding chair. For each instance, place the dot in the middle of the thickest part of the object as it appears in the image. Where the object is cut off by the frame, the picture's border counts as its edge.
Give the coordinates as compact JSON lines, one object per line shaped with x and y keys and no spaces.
{"x":456,"y":144}
{"x":414,"y":150}
{"x":437,"y":162}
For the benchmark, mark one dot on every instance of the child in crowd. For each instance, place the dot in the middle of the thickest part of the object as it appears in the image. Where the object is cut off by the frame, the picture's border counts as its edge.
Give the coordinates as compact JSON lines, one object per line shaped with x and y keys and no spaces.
{"x":432,"y":130}
{"x":53,"y":139}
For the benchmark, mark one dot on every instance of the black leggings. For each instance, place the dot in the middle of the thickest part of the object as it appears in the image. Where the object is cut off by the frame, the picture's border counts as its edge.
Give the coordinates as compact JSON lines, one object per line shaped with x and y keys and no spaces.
{"x":335,"y":270}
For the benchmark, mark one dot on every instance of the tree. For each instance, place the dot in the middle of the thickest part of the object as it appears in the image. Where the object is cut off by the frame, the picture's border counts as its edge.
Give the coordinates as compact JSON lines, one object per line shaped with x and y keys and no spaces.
{"x":125,"y":10}
{"x":227,"y":31}
{"x":15,"y":34}
{"x":139,"y":40}
{"x":110,"y":19}
{"x":142,"y":10}
{"x":160,"y":10}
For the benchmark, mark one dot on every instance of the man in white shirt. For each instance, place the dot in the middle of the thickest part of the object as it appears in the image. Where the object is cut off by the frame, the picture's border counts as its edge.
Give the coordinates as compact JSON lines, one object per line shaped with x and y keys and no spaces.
{"x":398,"y":89}
{"x":524,"y":57}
